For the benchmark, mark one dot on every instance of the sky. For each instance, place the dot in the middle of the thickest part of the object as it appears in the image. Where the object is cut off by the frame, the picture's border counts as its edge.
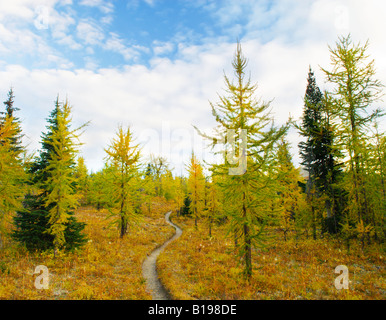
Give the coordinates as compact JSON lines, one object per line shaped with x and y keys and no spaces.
{"x":155,"y":65}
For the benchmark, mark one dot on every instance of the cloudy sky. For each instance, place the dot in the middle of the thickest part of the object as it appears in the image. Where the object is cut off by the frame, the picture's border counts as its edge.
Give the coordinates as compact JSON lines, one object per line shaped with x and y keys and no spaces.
{"x":154,"y":65}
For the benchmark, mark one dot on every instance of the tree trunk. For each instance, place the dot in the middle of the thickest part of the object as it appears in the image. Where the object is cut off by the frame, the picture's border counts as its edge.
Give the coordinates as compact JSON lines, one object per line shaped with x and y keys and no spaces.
{"x":247,"y":242}
{"x":248,"y":253}
{"x":123,"y":226}
{"x":210,"y":226}
{"x":313,"y":223}
{"x":195,"y":215}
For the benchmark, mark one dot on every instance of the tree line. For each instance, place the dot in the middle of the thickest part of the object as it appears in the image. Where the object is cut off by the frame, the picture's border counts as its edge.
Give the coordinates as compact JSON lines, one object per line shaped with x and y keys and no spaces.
{"x":339,"y":189}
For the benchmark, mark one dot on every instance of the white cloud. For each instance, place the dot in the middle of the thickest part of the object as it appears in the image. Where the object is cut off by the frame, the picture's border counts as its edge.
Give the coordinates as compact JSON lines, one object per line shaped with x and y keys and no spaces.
{"x":150,"y":2}
{"x":59,"y":26}
{"x":116,"y":44}
{"x":89,"y":32}
{"x":102,"y":5}
{"x":24,"y":9}
{"x":24,"y":29}
{"x":161,"y":48}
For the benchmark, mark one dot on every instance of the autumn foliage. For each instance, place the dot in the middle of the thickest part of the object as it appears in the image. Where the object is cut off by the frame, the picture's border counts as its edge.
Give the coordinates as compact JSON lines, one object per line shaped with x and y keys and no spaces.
{"x":255,"y":226}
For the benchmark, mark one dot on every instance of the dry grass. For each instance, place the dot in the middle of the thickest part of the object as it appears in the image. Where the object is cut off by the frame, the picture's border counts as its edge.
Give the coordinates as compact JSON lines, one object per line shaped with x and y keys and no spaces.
{"x":106,"y":268}
{"x":199,"y":267}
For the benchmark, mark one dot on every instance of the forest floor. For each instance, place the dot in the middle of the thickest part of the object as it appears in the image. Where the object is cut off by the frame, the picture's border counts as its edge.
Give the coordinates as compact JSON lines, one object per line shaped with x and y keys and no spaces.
{"x":106,"y":268}
{"x":197,"y":266}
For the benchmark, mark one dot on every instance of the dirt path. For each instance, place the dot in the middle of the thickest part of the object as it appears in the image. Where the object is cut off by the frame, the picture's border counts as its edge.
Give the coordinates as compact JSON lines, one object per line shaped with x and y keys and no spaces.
{"x":149,"y":268}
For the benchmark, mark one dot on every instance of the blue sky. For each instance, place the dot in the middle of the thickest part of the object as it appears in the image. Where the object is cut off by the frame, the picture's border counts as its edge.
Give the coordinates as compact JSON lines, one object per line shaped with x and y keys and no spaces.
{"x":105,"y":34}
{"x":156,"y":64}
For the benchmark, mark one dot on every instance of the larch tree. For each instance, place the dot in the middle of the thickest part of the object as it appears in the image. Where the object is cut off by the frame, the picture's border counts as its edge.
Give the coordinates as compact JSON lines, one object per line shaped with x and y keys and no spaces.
{"x":180,"y":193}
{"x":213,"y":205}
{"x":12,"y":174}
{"x":196,"y":185}
{"x":124,"y":157}
{"x":81,"y":180}
{"x":354,"y":92}
{"x":378,"y":181}
{"x":288,"y":178}
{"x":245,"y":124}
{"x":100,"y":185}
{"x":168,"y":185}
{"x":373,"y":166}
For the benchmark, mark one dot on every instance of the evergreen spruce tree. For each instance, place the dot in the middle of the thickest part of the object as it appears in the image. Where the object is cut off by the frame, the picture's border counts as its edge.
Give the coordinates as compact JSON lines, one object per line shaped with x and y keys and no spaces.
{"x":319,"y":156}
{"x":185,"y":210}
{"x":310,"y":123}
{"x":10,"y":112}
{"x":38,"y":167}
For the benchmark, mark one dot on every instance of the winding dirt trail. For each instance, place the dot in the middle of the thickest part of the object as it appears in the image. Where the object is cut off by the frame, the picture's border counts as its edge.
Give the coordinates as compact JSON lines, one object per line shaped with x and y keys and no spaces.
{"x":149,"y":267}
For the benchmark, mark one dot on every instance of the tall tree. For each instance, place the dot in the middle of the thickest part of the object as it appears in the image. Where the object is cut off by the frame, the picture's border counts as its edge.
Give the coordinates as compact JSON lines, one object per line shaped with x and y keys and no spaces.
{"x":124,"y":157}
{"x":245,"y":124}
{"x":12,"y":174}
{"x":355,"y":90}
{"x":319,"y":155}
{"x":309,"y":129}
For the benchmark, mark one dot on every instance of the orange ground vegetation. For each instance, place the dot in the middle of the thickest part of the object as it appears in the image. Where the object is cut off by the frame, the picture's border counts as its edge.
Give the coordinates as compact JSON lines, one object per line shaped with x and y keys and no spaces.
{"x":106,"y":268}
{"x":200,"y":267}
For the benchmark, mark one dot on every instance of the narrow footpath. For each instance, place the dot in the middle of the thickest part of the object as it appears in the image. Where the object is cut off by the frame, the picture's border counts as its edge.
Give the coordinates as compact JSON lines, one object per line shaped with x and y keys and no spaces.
{"x":149,"y":267}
